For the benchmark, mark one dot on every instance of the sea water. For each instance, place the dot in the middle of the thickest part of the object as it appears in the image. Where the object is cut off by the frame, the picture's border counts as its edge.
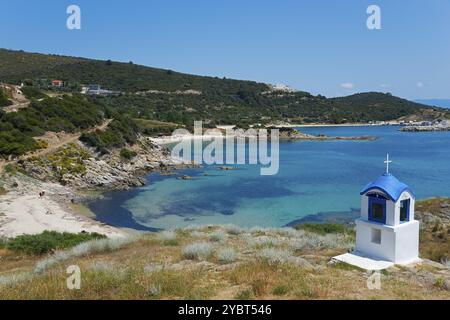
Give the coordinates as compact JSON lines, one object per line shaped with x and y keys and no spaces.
{"x":316,"y":178}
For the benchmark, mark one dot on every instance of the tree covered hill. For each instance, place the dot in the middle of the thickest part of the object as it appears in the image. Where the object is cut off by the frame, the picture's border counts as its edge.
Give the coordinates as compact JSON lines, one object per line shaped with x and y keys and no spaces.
{"x":4,"y":101}
{"x":165,"y":95}
{"x":71,"y":114}
{"x":381,"y":106}
{"x":19,"y":65}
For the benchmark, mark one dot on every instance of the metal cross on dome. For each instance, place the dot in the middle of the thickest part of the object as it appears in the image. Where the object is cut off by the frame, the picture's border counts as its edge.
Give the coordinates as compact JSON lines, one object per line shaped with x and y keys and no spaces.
{"x":387,"y":162}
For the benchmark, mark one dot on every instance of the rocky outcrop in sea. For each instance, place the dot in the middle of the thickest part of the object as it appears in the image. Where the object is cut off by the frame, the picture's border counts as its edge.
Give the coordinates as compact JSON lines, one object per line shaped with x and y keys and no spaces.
{"x":293,"y":134}
{"x":438,"y":125}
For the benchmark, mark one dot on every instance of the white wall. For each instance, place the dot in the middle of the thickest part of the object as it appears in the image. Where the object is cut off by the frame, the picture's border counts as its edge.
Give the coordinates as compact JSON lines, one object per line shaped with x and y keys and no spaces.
{"x":399,"y":244}
{"x":399,"y":241}
{"x":365,"y":207}
{"x":405,"y":196}
{"x":390,"y":212}
{"x":407,"y":242}
{"x":385,"y":250}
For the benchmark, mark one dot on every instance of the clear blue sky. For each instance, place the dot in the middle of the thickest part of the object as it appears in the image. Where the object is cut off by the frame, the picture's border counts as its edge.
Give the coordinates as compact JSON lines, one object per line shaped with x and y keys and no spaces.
{"x":312,"y":45}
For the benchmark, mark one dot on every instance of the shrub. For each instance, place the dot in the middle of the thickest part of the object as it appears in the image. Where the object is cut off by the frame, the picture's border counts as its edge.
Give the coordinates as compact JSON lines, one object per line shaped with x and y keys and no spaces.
{"x":100,"y":245}
{"x":11,"y":279}
{"x":440,"y":283}
{"x":198,"y":251}
{"x":331,"y":241}
{"x":317,"y":241}
{"x":67,"y":113}
{"x":198,"y":234}
{"x":288,"y":232}
{"x":258,"y":230}
{"x":298,"y":245}
{"x":324,"y":228}
{"x":127,"y":154}
{"x":2,"y":243}
{"x":226,"y":255}
{"x":69,"y":160}
{"x":262,"y":241}
{"x":120,"y":132}
{"x":32,"y":92}
{"x":218,"y":236}
{"x":274,"y":256}
{"x":48,"y":241}
{"x":259,"y":285}
{"x":193,"y":227}
{"x":83,"y":249}
{"x":233,"y":230}
{"x":99,"y":266}
{"x":280,"y":290}
{"x":10,"y":169}
{"x":244,"y":295}
{"x":42,"y":144}
{"x":154,"y":291}
{"x":169,"y":238}
{"x":4,"y":99}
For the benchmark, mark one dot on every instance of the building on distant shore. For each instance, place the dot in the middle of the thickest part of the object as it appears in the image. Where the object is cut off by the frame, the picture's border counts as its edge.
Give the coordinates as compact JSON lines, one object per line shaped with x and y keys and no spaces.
{"x":96,"y":89}
{"x":57,"y":83}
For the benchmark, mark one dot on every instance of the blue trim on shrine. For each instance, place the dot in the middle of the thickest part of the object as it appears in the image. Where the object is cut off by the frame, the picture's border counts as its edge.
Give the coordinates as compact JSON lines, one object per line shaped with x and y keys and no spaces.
{"x":377,"y":200}
{"x":389,"y":185}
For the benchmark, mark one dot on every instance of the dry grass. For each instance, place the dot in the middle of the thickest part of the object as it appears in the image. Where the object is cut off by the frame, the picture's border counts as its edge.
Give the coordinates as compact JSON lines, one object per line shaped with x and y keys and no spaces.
{"x":231,"y":268}
{"x":435,"y":232}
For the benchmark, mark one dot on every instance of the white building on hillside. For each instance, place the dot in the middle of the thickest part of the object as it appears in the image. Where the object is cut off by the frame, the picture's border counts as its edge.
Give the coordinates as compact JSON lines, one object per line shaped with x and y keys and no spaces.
{"x":386,"y":232}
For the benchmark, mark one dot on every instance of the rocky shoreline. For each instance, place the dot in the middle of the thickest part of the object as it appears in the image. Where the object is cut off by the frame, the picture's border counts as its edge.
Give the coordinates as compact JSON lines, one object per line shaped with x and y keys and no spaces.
{"x":285,"y":133}
{"x":293,"y":134}
{"x":49,"y":193}
{"x":435,"y":126}
{"x":104,"y":172}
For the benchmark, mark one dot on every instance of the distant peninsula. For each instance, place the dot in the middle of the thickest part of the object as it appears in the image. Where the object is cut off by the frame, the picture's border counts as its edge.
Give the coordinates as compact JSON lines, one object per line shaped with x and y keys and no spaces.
{"x":439,"y":125}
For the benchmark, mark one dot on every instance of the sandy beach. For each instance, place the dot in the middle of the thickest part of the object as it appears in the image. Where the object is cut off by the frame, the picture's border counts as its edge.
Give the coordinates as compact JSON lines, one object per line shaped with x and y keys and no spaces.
{"x":178,"y":138}
{"x":207,"y":137}
{"x":24,"y":211}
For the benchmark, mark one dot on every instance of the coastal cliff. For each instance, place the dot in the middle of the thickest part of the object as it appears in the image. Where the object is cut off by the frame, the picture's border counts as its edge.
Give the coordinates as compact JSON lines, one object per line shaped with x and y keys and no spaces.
{"x":81,"y":167}
{"x":47,"y":193}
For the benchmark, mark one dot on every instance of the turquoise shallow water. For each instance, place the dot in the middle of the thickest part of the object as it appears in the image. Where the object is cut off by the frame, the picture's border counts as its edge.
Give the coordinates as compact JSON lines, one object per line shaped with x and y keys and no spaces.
{"x":314,"y":177}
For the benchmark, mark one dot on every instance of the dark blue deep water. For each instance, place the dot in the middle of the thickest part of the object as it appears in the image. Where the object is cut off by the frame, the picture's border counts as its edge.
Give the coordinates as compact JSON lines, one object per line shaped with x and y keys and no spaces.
{"x":315,"y":179}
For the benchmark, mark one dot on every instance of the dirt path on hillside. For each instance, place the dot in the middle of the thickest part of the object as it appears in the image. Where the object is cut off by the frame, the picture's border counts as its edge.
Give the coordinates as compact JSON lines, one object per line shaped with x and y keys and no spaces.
{"x":16,"y":107}
{"x":19,"y":100}
{"x":55,"y":142}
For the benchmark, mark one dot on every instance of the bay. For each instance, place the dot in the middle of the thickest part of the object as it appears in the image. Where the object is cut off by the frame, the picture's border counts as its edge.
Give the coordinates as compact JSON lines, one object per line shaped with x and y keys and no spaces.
{"x":316,"y":179}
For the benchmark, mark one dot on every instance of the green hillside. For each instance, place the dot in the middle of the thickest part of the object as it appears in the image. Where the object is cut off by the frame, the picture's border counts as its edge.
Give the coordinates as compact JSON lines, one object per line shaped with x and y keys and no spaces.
{"x":18,"y":65}
{"x":17,"y":129}
{"x":183,"y":98}
{"x":4,"y":101}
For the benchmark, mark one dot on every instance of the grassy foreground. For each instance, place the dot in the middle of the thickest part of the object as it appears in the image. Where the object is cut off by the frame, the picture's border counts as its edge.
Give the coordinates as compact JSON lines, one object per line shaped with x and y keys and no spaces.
{"x":214,"y":262}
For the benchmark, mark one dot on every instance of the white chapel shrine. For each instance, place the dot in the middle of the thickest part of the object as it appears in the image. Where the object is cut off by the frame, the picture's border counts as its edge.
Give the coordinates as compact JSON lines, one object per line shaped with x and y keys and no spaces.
{"x":386,"y":232}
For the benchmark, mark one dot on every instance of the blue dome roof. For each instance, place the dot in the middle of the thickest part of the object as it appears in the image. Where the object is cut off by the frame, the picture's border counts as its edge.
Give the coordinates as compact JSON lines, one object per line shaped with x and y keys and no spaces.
{"x":388,"y":184}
